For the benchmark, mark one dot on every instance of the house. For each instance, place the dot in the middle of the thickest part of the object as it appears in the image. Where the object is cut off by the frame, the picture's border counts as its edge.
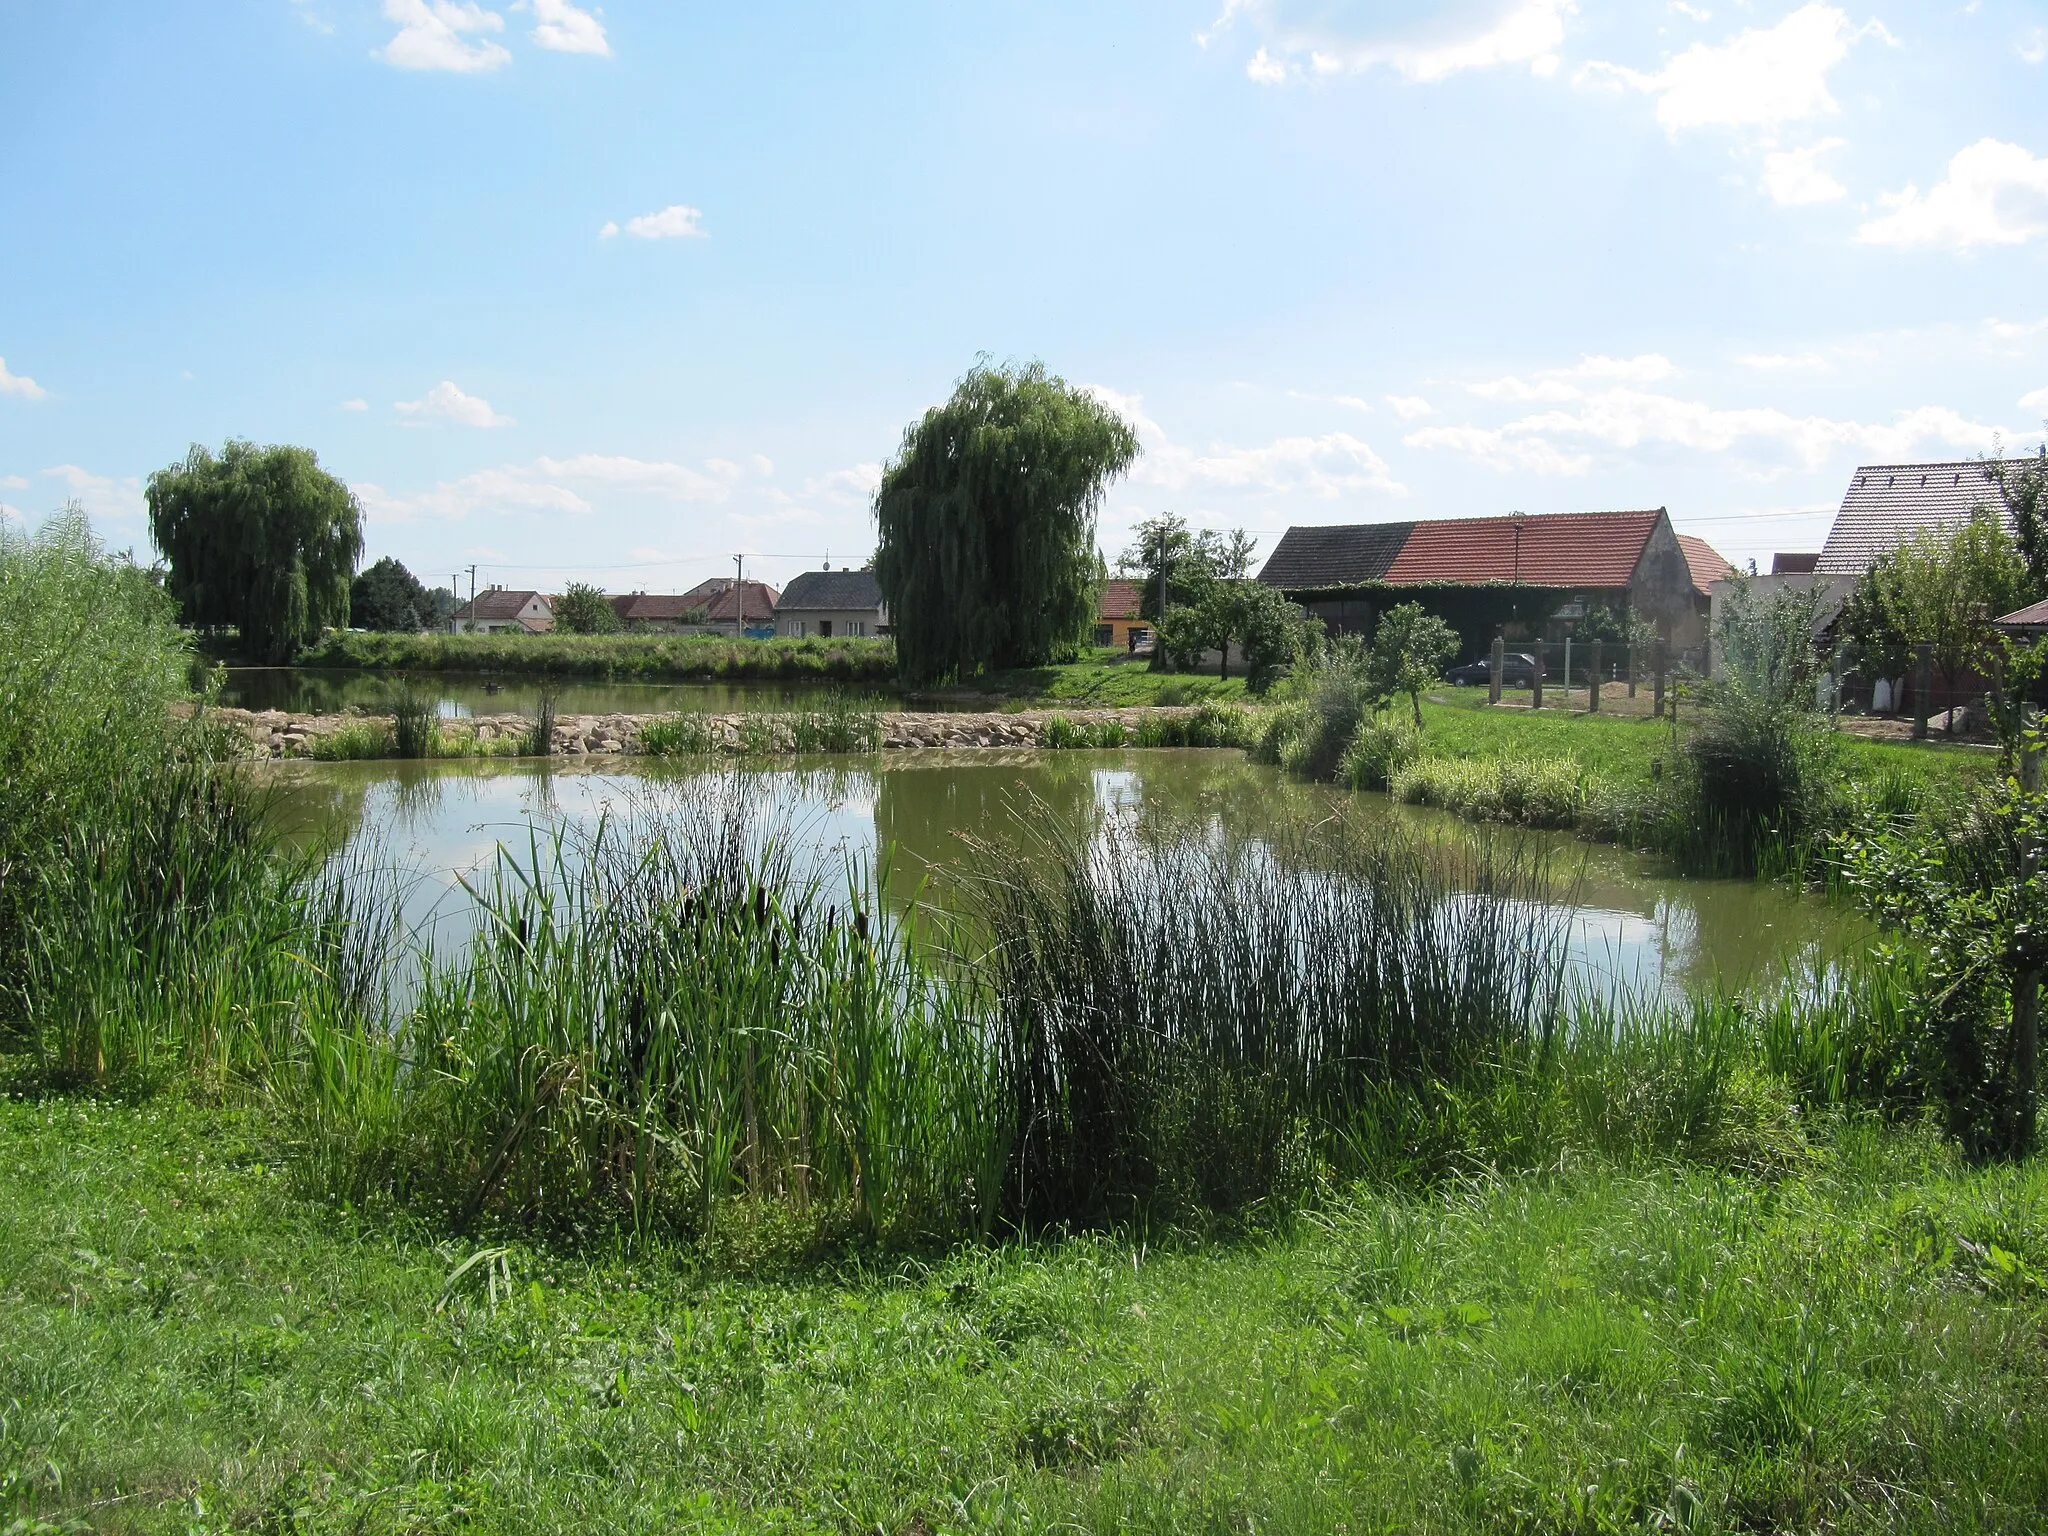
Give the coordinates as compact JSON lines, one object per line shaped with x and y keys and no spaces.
{"x":2030,"y":623}
{"x":832,"y":605}
{"x":726,"y":604}
{"x":499,"y":612}
{"x":1887,"y":504}
{"x":1531,"y":576}
{"x":1116,"y":616}
{"x":662,"y":612}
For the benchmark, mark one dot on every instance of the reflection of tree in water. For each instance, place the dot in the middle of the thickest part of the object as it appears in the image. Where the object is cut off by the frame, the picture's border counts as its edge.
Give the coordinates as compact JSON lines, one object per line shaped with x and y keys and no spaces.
{"x":926,"y":811}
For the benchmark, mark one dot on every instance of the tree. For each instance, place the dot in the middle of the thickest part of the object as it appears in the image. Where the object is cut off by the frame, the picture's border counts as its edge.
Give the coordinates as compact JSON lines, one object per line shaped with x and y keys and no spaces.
{"x":1939,"y":587}
{"x":261,"y":539}
{"x":1410,"y":649}
{"x":585,"y":610}
{"x":1272,"y":630}
{"x":2023,"y":482}
{"x":388,"y":596}
{"x":987,"y":522}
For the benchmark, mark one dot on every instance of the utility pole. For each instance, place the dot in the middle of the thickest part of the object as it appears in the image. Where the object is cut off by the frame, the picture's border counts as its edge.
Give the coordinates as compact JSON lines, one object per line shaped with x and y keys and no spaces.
{"x":739,"y":597}
{"x":1158,"y":633}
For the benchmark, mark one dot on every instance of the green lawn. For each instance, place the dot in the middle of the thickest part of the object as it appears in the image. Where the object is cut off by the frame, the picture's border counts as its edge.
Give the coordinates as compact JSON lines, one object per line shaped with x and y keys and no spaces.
{"x":1105,"y":684}
{"x":190,"y":1348}
{"x":1457,"y":722}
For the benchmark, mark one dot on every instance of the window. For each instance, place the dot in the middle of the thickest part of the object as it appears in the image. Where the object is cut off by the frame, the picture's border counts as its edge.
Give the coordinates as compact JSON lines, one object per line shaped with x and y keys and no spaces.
{"x":1105,"y":634}
{"x":796,"y":628}
{"x":856,"y":628}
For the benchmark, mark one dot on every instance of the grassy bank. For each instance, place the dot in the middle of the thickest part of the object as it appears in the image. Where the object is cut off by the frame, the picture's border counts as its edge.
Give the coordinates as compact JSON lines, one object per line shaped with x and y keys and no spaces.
{"x":193,"y":1346}
{"x":621,"y":658}
{"x":1105,"y":684}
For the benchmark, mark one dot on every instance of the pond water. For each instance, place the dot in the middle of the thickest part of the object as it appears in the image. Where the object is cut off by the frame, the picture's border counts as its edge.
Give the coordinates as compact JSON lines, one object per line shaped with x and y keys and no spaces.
{"x":327,"y":691}
{"x":1636,"y":928}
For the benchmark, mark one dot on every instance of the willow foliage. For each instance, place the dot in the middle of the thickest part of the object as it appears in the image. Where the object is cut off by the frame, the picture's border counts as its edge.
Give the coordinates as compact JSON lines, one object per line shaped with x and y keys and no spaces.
{"x":260,"y":539}
{"x":987,"y":520}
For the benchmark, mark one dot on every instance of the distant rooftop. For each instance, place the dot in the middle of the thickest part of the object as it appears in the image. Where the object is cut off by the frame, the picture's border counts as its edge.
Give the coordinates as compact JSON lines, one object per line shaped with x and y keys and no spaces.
{"x":831,"y":592}
{"x":1887,"y":504}
{"x":1564,"y":549}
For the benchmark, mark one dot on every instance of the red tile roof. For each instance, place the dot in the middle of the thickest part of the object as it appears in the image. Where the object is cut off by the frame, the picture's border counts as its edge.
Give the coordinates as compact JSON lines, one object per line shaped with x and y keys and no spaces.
{"x":1571,"y":549}
{"x":1708,"y":564}
{"x":1119,"y":600}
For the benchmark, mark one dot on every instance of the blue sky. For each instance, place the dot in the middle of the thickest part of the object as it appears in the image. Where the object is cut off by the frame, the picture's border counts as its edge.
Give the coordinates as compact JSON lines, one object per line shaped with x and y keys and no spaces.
{"x":614,"y":293}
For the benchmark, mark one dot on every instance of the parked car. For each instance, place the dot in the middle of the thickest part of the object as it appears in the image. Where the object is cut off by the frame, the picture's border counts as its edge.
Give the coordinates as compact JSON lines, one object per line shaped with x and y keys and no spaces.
{"x":1518,"y":670}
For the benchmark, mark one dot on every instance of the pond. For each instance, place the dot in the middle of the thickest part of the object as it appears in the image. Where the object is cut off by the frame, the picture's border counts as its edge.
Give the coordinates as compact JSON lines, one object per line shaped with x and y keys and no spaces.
{"x":328,"y":691}
{"x":1636,"y":928}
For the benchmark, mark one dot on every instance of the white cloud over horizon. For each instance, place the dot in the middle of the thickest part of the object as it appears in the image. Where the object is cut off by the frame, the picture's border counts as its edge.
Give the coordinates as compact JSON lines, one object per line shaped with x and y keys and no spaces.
{"x":1561,"y":442}
{"x":565,"y":485}
{"x":431,"y":36}
{"x":678,"y":221}
{"x":19,"y":385}
{"x":447,"y":402}
{"x":1793,"y":178}
{"x":1327,"y":466}
{"x":1569,"y":383}
{"x":1763,"y":78}
{"x":1524,"y":32}
{"x":564,"y":28}
{"x":2035,"y":400}
{"x":1993,"y":193}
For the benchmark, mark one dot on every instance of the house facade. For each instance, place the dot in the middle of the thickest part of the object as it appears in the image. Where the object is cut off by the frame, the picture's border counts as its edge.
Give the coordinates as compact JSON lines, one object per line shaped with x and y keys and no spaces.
{"x":832,"y":605}
{"x":1528,"y":576}
{"x":499,"y":612}
{"x":1116,"y":616}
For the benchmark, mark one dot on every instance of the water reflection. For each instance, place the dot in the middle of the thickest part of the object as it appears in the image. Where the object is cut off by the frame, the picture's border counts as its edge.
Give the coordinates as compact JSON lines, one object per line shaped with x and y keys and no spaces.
{"x":936,"y":814}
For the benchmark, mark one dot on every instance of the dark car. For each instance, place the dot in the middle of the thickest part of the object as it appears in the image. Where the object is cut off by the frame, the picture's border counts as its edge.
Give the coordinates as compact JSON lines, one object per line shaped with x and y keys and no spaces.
{"x":1518,"y":670}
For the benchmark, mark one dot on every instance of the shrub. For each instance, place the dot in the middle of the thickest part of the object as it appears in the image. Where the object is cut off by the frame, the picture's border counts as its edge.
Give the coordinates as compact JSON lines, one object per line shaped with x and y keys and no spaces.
{"x":415,"y":720}
{"x":1530,"y":792}
{"x":540,"y":736}
{"x":843,"y":725}
{"x":1381,"y":748}
{"x":676,"y":736}
{"x":1208,"y":725}
{"x":1061,"y":732}
{"x":357,"y":741}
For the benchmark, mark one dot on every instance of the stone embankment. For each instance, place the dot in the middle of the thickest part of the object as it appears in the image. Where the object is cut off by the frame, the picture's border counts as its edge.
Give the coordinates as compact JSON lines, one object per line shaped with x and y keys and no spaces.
{"x":278,"y":733}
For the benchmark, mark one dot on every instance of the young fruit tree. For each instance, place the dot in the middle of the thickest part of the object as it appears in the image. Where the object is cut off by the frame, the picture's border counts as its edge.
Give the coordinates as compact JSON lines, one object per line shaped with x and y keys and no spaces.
{"x":1409,"y":651}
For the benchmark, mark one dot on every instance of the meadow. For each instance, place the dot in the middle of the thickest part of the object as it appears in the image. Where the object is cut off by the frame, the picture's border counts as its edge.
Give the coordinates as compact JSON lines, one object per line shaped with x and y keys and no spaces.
{"x":1165,"y":1181}
{"x":624,"y":658}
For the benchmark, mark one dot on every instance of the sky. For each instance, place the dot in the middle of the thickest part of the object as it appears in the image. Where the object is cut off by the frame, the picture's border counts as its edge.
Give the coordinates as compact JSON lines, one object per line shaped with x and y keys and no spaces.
{"x":612,"y":294}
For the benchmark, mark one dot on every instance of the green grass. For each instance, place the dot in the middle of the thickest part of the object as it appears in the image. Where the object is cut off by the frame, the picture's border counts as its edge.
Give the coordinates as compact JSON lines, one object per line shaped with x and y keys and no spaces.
{"x":645,"y":658}
{"x":1458,"y":723}
{"x":194,"y":1347}
{"x":1100,"y":684}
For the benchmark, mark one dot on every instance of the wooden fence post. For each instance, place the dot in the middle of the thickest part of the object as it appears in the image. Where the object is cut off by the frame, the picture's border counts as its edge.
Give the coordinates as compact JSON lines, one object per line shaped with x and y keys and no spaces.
{"x":1500,"y":648}
{"x":1536,"y":679}
{"x":1599,"y":676}
{"x":1657,"y":681}
{"x":1923,"y":687}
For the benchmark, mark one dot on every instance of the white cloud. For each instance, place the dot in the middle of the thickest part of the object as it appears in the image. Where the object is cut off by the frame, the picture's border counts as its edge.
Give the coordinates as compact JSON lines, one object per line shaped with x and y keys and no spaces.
{"x":2036,"y":401}
{"x":564,"y":485}
{"x":448,"y":403}
{"x":19,"y":385}
{"x":2034,"y":46}
{"x":13,"y":483}
{"x":355,"y":405}
{"x":1567,"y":383}
{"x":1334,"y":464}
{"x":1525,"y":32}
{"x":105,"y":498}
{"x":10,"y":514}
{"x":1780,"y":362}
{"x":431,"y":36}
{"x":1624,"y":419}
{"x":1793,"y":177}
{"x":565,"y":28}
{"x":1762,"y":78}
{"x":1995,"y":193}
{"x":855,"y":483}
{"x":1410,"y":407}
{"x":1692,"y":12}
{"x":678,"y":221}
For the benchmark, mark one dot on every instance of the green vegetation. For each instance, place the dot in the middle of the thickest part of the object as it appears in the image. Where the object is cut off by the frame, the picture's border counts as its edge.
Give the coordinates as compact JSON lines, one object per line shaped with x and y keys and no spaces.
{"x":1105,"y":684}
{"x":585,"y":610}
{"x":987,"y":523}
{"x":1060,"y":732}
{"x":846,"y":723}
{"x":387,"y":596}
{"x":260,"y":540}
{"x":1174,"y":1182}
{"x":641,"y":658}
{"x":1210,"y":600}
{"x":193,"y":1346}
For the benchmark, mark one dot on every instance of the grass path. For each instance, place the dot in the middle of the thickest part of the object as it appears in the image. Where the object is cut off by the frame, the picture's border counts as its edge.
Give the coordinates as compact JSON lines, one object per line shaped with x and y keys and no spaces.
{"x":191,"y":1348}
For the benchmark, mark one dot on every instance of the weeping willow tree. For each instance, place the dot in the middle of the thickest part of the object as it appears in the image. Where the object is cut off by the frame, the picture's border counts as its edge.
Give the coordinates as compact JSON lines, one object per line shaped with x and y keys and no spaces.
{"x":987,"y":551}
{"x":262,"y":540}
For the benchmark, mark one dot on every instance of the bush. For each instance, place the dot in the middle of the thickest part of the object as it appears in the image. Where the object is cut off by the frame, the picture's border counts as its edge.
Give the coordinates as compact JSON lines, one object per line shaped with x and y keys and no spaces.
{"x":1208,"y":725}
{"x":1060,"y":732}
{"x":650,"y":658}
{"x":357,"y":742}
{"x":843,"y":725}
{"x":1529,"y":792}
{"x":677,"y":736}
{"x":1381,"y":748}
